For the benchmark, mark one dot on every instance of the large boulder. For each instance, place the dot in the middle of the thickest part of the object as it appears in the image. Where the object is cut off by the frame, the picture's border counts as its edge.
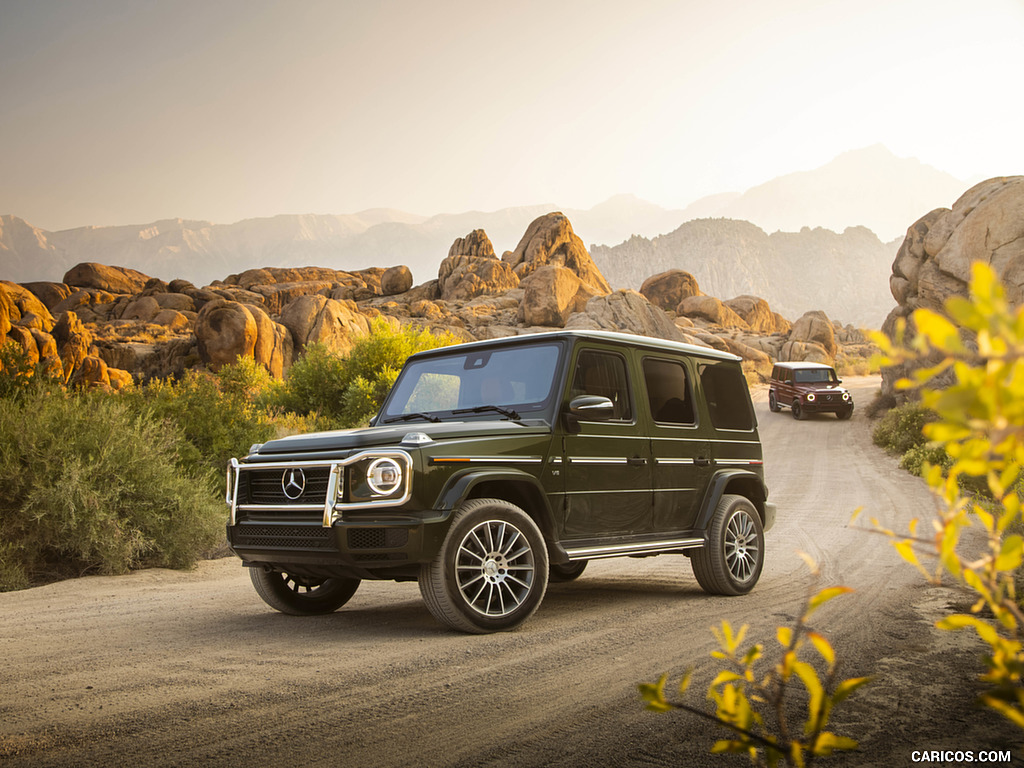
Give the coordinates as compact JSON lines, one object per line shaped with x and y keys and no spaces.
{"x":225,"y":331}
{"x":934,"y":262}
{"x":24,"y":302}
{"x":668,"y":289}
{"x":318,"y":319}
{"x":73,"y":341}
{"x":274,"y":348}
{"x":551,"y":295}
{"x":628,"y":312}
{"x":471,"y":269}
{"x":551,"y":240}
{"x":712,"y":310}
{"x":812,"y":339}
{"x":756,"y":313}
{"x":112,"y":279}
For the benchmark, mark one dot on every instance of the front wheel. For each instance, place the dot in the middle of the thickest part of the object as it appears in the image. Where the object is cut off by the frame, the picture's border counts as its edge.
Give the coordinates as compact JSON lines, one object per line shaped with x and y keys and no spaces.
{"x":299,"y":595}
{"x":844,"y":414}
{"x":491,"y":572}
{"x":731,"y":561}
{"x":798,"y":412}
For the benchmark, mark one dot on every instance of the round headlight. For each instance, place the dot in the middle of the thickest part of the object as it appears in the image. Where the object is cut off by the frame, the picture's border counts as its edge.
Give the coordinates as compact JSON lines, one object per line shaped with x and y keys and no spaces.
{"x":810,"y":397}
{"x":384,"y":476}
{"x":846,"y":395}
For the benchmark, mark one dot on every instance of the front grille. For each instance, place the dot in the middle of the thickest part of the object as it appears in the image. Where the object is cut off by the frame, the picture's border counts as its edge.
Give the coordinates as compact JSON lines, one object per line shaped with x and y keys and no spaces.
{"x":286,"y":536}
{"x":377,"y":538}
{"x":264,"y":486}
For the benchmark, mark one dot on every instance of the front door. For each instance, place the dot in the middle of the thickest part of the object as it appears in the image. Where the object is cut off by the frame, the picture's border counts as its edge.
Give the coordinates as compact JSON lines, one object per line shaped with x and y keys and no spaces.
{"x":607,"y":463}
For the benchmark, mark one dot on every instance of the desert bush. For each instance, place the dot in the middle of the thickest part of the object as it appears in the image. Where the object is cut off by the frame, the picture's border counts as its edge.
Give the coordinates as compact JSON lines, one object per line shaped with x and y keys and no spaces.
{"x":902,"y":428}
{"x":980,"y":426}
{"x":347,"y":391}
{"x":92,"y":485}
{"x":755,"y":709}
{"x":213,"y":414}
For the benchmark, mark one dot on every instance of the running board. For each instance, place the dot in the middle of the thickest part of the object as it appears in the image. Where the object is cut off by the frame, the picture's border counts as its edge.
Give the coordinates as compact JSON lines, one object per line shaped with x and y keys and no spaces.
{"x":638,"y":548}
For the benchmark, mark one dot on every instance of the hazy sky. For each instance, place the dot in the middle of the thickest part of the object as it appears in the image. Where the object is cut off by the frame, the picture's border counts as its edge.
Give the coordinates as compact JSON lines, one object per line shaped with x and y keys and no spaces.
{"x":127,"y":111}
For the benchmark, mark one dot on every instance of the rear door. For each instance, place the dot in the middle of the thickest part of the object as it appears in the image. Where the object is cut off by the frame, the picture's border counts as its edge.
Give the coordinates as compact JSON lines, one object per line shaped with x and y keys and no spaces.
{"x":681,"y":452}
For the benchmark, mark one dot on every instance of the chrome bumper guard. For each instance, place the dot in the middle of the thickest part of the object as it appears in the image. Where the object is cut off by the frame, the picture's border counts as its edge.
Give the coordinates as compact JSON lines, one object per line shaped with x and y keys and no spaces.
{"x":332,"y":507}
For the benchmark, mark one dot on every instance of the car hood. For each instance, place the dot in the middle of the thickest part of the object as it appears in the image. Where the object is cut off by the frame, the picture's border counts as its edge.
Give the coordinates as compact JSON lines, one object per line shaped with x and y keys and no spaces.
{"x":821,"y":387}
{"x":393,"y":434}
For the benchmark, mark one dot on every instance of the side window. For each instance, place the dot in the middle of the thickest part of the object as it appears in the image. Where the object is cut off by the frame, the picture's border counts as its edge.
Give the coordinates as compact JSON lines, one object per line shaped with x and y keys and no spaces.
{"x":604,"y":374}
{"x":725,"y":392}
{"x":668,"y":392}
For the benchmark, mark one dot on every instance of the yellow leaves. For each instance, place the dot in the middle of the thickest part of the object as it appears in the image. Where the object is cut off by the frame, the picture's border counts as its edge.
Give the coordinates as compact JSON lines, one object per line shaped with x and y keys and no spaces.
{"x":748,"y":704}
{"x":823,"y":597}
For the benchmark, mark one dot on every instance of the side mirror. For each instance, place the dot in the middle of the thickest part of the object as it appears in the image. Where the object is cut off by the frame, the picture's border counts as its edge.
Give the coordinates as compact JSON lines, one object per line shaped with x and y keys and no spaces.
{"x":592,"y":408}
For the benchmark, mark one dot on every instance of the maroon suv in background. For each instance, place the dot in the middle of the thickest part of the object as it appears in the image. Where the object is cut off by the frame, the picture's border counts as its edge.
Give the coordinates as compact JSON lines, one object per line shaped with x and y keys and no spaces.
{"x":808,"y":388}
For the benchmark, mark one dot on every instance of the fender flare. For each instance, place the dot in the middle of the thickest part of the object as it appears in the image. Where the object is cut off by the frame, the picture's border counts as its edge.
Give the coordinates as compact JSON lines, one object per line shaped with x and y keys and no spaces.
{"x":739,"y":481}
{"x":530,"y":494}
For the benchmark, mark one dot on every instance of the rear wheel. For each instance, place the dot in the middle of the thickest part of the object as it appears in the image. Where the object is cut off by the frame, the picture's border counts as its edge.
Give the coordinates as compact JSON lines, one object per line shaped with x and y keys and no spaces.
{"x":731,"y":562}
{"x":566,"y":572}
{"x":299,"y":595}
{"x":491,"y":572}
{"x":773,"y":403}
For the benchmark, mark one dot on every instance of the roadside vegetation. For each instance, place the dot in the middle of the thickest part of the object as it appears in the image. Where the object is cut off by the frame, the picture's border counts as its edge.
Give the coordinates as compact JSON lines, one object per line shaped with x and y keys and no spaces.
{"x":98,"y":482}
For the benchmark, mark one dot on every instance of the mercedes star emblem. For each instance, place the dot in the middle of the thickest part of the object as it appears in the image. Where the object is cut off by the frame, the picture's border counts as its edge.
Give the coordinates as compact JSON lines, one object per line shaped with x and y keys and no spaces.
{"x":293,"y":483}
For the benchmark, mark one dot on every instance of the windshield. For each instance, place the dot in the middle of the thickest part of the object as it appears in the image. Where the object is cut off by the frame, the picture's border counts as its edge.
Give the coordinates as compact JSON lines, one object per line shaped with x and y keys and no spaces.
{"x":816,"y":376}
{"x":515,"y":379}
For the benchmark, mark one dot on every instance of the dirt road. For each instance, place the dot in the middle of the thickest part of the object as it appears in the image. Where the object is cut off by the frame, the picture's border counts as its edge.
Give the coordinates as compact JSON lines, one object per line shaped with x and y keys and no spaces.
{"x":161,"y":668}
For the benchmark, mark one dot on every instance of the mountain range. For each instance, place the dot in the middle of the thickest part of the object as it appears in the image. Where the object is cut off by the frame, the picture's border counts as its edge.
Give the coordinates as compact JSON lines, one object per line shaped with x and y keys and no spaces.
{"x":869,"y":188}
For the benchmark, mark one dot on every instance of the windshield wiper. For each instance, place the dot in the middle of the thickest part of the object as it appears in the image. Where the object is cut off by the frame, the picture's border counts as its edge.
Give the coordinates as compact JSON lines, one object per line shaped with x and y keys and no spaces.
{"x":411,"y":416}
{"x":506,"y":412}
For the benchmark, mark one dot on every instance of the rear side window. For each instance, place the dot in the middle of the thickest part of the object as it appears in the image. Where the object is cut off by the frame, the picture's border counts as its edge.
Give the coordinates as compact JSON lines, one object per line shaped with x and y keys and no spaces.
{"x":668,"y":392}
{"x":728,"y":400}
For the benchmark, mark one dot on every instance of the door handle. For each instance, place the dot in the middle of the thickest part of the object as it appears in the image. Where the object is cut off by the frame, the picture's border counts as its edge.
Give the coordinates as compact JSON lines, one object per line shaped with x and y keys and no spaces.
{"x":702,"y":461}
{"x":636,"y":461}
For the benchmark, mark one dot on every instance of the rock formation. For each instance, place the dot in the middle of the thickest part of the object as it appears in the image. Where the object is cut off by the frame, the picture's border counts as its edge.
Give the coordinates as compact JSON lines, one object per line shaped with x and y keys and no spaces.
{"x":103,"y":325}
{"x":985,"y":224}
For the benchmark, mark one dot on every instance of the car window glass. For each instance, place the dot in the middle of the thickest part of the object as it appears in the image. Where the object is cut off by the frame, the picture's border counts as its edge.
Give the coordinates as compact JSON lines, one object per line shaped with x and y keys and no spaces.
{"x":725,"y":393}
{"x":668,"y":392}
{"x":603,"y":374}
{"x":816,"y":376}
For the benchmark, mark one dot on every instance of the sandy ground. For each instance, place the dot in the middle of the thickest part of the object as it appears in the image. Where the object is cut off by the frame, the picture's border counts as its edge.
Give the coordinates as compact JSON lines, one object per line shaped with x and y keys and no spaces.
{"x":163,"y":668}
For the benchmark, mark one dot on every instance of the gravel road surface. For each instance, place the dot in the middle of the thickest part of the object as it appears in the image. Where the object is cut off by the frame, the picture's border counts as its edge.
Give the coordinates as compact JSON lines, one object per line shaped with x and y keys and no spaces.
{"x":162,"y":668}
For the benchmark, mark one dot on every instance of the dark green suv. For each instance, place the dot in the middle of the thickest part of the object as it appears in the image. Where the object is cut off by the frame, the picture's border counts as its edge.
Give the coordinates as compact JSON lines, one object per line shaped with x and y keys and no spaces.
{"x":496,"y":466}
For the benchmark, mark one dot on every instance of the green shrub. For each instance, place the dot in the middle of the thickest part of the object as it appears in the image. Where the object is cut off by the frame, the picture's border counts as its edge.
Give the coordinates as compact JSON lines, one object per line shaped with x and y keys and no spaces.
{"x":91,"y":485}
{"x":901,"y":429}
{"x":347,"y":391}
{"x":217,"y":420}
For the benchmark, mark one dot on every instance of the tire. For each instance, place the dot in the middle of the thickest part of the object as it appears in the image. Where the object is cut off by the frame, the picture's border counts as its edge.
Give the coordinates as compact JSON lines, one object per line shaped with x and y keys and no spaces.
{"x":773,"y":404}
{"x":491,"y":572}
{"x":567,"y":572}
{"x":731,"y":562}
{"x":299,"y":595}
{"x":798,"y":412}
{"x":844,"y":414}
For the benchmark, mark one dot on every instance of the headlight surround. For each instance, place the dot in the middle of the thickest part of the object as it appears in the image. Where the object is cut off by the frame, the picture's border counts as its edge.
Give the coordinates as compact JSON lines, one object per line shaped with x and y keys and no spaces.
{"x":378,"y":477}
{"x":810,"y":397}
{"x":384,"y":476}
{"x":846,"y":396}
